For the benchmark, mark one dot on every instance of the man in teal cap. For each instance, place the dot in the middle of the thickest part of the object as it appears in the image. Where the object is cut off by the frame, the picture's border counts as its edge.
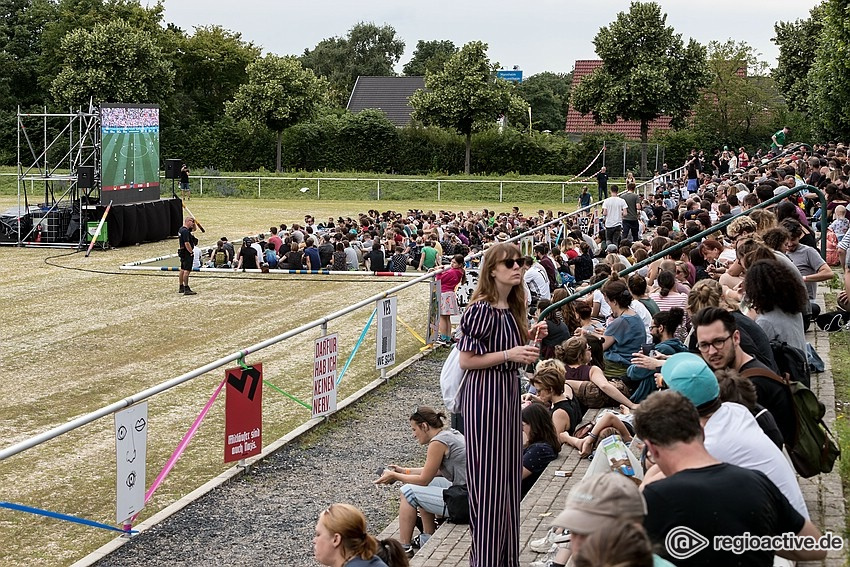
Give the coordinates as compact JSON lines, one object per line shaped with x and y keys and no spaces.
{"x":732,"y":434}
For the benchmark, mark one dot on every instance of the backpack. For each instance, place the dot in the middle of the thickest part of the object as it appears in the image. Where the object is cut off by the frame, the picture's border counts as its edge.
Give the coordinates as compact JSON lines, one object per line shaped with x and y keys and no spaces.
{"x":813,"y":449}
{"x":832,"y":255}
{"x":791,"y":362}
{"x":220,"y":259}
{"x":451,"y":381}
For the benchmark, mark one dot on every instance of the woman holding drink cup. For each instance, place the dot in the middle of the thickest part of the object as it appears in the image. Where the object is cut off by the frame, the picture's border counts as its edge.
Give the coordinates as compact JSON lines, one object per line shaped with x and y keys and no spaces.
{"x":492,"y":350}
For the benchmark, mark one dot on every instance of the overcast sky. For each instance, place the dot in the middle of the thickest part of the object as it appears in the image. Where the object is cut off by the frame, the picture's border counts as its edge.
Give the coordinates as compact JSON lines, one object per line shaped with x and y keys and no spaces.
{"x":536,"y":35}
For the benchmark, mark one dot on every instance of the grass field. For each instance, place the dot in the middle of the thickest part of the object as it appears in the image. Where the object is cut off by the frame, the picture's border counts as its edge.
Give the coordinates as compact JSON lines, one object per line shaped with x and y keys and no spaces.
{"x":131,"y":158}
{"x":437,"y":190}
{"x":83,"y":335}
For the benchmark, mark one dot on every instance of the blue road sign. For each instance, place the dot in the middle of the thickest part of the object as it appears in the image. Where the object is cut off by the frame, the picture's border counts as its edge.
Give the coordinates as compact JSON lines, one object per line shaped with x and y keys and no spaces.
{"x":515,"y":76}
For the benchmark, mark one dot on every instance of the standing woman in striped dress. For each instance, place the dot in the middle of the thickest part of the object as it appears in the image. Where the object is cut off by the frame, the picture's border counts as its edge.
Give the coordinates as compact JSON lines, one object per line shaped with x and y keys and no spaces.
{"x":492,"y":349}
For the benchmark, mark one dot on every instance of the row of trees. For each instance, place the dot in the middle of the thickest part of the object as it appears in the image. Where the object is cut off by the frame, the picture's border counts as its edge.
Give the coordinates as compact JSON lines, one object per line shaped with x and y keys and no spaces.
{"x":813,"y":66}
{"x":213,"y":85}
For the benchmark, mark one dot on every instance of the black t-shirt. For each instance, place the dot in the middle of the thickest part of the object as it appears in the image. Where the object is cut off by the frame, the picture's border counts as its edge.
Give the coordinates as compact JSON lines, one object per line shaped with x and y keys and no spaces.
{"x":573,"y":409}
{"x":602,"y":180}
{"x":185,"y":236}
{"x":376,"y":260}
{"x":184,"y":176}
{"x":776,"y":398}
{"x":249,"y":258}
{"x":719,"y":500}
{"x":326,"y":253}
{"x":536,"y":458}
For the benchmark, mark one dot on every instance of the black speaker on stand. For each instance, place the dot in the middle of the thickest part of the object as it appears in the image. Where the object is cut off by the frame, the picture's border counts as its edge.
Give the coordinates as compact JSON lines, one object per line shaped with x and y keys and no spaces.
{"x":172,"y":172}
{"x":85,"y":177}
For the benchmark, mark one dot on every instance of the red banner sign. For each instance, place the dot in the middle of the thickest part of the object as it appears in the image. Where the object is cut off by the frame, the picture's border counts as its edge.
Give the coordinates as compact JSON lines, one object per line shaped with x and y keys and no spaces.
{"x":243,"y":413}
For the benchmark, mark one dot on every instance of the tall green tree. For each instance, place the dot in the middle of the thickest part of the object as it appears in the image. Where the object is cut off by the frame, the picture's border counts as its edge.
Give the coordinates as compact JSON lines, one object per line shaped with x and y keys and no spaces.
{"x":797,"y":41}
{"x":368,"y":49}
{"x":210,"y":66}
{"x":75,"y":15}
{"x":429,"y":56}
{"x":548,"y":94}
{"x":647,"y":71}
{"x":740,"y":94}
{"x":279,"y":93}
{"x":22,"y":24}
{"x":829,"y":89}
{"x":114,"y":62}
{"x":465,"y":94}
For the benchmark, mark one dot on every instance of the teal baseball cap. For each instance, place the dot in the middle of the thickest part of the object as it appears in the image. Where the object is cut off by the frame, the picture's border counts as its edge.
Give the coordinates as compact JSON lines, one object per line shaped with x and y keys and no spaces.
{"x":689,"y":375}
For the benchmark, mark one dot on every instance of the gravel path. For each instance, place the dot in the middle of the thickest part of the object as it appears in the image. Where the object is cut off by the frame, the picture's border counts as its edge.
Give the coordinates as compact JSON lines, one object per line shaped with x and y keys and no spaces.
{"x":268,"y":516}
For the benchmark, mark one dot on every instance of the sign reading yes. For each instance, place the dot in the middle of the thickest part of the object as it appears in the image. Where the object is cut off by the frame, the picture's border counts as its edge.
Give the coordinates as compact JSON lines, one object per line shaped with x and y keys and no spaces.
{"x":386,"y":343}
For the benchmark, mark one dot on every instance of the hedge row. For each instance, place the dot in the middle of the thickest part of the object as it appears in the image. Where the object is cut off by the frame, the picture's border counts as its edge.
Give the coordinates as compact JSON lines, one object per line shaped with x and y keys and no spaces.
{"x":369,"y":142}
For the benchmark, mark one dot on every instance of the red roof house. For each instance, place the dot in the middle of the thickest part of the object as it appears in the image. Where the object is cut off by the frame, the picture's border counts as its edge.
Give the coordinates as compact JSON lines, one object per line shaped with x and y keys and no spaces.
{"x":578,"y":124}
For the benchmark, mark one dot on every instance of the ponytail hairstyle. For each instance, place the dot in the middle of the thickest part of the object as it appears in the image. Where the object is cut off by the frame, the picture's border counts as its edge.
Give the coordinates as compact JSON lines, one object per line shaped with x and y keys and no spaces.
{"x":350,"y":523}
{"x":427,"y":414}
{"x":666,"y":282}
{"x":617,"y":291}
{"x":392,"y":553}
{"x":572,"y":350}
{"x":669,"y":320}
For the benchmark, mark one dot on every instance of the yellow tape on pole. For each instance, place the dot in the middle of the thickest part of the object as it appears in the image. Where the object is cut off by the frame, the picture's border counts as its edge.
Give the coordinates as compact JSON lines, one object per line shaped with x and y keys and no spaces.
{"x":412,"y":332}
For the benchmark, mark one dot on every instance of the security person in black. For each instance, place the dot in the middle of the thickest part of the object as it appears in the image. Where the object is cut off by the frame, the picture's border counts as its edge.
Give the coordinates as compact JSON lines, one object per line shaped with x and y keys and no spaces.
{"x":186,"y":254}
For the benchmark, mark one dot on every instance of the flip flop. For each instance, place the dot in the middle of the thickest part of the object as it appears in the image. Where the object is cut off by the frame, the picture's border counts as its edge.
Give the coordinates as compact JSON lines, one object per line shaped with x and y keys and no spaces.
{"x":833,"y":320}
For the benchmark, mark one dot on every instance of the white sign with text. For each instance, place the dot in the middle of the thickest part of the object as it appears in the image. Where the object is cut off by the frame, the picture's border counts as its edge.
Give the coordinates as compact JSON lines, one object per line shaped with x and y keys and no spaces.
{"x":324,"y":375}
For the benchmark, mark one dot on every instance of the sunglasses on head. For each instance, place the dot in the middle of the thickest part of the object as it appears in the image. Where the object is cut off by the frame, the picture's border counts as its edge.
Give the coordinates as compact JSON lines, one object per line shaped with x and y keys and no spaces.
{"x":509,"y":262}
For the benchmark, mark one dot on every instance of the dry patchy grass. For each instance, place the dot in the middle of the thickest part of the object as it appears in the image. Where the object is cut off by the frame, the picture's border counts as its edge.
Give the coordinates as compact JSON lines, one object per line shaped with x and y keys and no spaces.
{"x":74,"y":341}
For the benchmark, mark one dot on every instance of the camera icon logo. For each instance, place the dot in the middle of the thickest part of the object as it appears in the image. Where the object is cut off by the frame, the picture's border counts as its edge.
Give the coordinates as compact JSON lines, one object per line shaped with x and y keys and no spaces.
{"x":682,"y":542}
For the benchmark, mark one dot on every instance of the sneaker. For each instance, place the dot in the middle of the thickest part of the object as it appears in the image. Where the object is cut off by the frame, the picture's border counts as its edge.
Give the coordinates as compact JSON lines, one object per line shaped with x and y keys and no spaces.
{"x":408,"y":550}
{"x":190,"y":292}
{"x":182,"y":289}
{"x":420,"y":540}
{"x":541,"y":563}
{"x":544,"y":544}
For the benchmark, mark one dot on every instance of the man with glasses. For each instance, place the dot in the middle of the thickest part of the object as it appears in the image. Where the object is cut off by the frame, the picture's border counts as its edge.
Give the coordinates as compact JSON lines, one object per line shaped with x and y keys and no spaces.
{"x":719,"y":343}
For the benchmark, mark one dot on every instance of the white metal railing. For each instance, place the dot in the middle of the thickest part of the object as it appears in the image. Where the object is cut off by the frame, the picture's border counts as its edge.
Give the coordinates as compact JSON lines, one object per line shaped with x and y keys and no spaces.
{"x":437,"y":184}
{"x":648,"y":185}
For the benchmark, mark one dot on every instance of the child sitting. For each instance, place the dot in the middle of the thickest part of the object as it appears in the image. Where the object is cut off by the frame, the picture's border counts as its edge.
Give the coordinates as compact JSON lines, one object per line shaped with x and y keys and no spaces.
{"x":841,"y":223}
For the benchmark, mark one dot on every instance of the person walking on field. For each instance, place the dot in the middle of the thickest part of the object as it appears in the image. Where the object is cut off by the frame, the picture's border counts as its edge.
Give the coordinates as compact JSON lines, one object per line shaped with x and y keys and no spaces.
{"x":492,"y":349}
{"x":186,"y":253}
{"x":184,"y":182}
{"x":613,"y":210}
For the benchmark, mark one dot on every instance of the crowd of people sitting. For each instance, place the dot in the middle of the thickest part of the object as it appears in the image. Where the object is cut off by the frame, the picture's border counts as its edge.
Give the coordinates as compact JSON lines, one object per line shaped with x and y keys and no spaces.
{"x":683,"y":349}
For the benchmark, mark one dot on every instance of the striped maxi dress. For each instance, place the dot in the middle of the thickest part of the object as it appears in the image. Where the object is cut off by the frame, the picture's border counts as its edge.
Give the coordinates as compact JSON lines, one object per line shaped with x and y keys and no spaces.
{"x":490,"y":406}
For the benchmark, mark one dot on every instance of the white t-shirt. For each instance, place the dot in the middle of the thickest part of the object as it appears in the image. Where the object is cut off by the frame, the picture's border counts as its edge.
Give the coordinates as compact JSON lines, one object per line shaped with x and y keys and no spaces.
{"x":604,"y":308}
{"x":196,"y":257}
{"x":614,"y":208}
{"x":535,"y":279}
{"x":733,"y":435}
{"x":642,"y":312}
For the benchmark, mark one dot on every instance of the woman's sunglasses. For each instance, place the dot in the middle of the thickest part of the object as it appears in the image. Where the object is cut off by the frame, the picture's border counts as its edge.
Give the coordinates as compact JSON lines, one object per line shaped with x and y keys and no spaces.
{"x":509,"y":262}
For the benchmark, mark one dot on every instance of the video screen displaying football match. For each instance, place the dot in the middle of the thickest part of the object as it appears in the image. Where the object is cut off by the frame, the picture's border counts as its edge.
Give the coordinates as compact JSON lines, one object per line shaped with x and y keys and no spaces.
{"x":129,"y":152}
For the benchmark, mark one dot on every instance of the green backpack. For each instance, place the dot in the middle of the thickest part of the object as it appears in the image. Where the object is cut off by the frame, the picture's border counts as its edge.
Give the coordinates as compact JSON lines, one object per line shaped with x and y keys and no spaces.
{"x":813,"y":449}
